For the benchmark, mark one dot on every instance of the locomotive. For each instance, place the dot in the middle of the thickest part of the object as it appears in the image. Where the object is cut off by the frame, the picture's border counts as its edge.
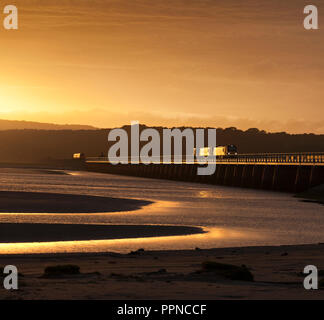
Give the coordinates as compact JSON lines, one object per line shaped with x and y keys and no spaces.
{"x":220,"y":151}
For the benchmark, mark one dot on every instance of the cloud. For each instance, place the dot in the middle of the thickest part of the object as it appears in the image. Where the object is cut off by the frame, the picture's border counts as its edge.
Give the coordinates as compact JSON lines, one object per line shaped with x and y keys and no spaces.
{"x":240,"y":63}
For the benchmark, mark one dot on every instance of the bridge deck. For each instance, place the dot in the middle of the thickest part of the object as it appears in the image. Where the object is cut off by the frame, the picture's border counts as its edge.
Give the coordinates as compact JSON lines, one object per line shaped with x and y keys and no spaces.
{"x":310,"y":158}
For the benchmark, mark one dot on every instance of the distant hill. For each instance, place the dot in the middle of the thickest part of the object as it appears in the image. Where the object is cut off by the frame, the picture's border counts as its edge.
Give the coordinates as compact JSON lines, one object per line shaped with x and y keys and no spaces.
{"x":35,"y":146}
{"x":20,"y":125}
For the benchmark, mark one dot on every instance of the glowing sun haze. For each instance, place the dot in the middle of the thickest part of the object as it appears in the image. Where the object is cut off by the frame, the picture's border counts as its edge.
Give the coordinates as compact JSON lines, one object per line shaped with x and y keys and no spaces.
{"x":164,"y":62}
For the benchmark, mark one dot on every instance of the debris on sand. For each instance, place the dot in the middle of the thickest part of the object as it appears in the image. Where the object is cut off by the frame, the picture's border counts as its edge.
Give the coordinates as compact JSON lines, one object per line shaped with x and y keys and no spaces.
{"x":228,"y":271}
{"x":60,"y":270}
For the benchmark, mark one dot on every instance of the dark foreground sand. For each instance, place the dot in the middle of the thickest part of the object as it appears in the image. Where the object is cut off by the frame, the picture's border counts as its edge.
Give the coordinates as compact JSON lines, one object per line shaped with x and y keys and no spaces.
{"x":39,"y":232}
{"x":168,"y":275}
{"x":37,"y":202}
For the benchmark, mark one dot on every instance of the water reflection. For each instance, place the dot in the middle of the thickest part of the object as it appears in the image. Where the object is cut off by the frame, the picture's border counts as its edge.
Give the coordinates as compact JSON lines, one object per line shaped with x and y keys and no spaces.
{"x":205,"y":194}
{"x":233,"y":216}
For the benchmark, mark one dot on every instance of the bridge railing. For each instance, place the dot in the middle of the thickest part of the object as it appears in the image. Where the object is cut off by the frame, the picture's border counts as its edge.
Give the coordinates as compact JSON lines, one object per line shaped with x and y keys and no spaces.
{"x":257,"y":158}
{"x":278,"y":158}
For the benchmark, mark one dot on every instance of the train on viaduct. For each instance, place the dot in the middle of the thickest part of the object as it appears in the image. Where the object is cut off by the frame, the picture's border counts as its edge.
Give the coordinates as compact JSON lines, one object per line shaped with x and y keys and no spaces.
{"x":288,"y":172}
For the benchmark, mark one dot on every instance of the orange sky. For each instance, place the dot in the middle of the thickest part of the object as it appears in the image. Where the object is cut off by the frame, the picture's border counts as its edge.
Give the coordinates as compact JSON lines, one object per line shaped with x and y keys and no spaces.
{"x":164,"y":62}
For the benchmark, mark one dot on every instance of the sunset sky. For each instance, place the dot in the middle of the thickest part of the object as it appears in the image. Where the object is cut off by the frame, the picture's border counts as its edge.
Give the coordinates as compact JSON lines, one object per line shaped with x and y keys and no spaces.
{"x":164,"y":62}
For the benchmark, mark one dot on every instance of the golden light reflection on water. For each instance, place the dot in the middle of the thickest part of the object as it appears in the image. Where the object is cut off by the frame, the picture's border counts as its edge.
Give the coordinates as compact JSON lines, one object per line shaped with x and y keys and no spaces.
{"x":214,"y":237}
{"x":155,"y":207}
{"x":204,"y":194}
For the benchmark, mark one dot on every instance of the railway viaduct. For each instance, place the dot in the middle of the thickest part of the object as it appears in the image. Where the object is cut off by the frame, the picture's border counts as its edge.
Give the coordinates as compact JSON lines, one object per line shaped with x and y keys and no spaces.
{"x":289,"y":172}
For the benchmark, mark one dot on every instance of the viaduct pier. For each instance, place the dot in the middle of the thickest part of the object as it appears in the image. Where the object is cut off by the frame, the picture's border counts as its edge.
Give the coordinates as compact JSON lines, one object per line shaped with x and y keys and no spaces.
{"x":289,"y":172}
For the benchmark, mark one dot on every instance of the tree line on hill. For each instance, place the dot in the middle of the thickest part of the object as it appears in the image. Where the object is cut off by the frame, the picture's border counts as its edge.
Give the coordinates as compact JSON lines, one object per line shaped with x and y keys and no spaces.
{"x":35,"y":146}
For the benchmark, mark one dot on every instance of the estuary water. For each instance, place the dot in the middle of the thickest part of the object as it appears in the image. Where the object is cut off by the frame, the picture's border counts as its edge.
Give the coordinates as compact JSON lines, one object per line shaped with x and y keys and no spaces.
{"x":230,"y":216}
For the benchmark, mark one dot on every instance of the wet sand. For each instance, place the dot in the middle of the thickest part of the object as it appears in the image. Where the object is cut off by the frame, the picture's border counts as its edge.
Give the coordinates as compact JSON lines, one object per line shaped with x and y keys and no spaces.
{"x":168,"y":274}
{"x":29,"y":232}
{"x":38,"y":202}
{"x":143,"y":274}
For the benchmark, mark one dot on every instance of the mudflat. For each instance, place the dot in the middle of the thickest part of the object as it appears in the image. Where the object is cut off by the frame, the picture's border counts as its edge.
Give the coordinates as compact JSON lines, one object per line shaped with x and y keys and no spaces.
{"x":39,"y":202}
{"x":40,"y":232}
